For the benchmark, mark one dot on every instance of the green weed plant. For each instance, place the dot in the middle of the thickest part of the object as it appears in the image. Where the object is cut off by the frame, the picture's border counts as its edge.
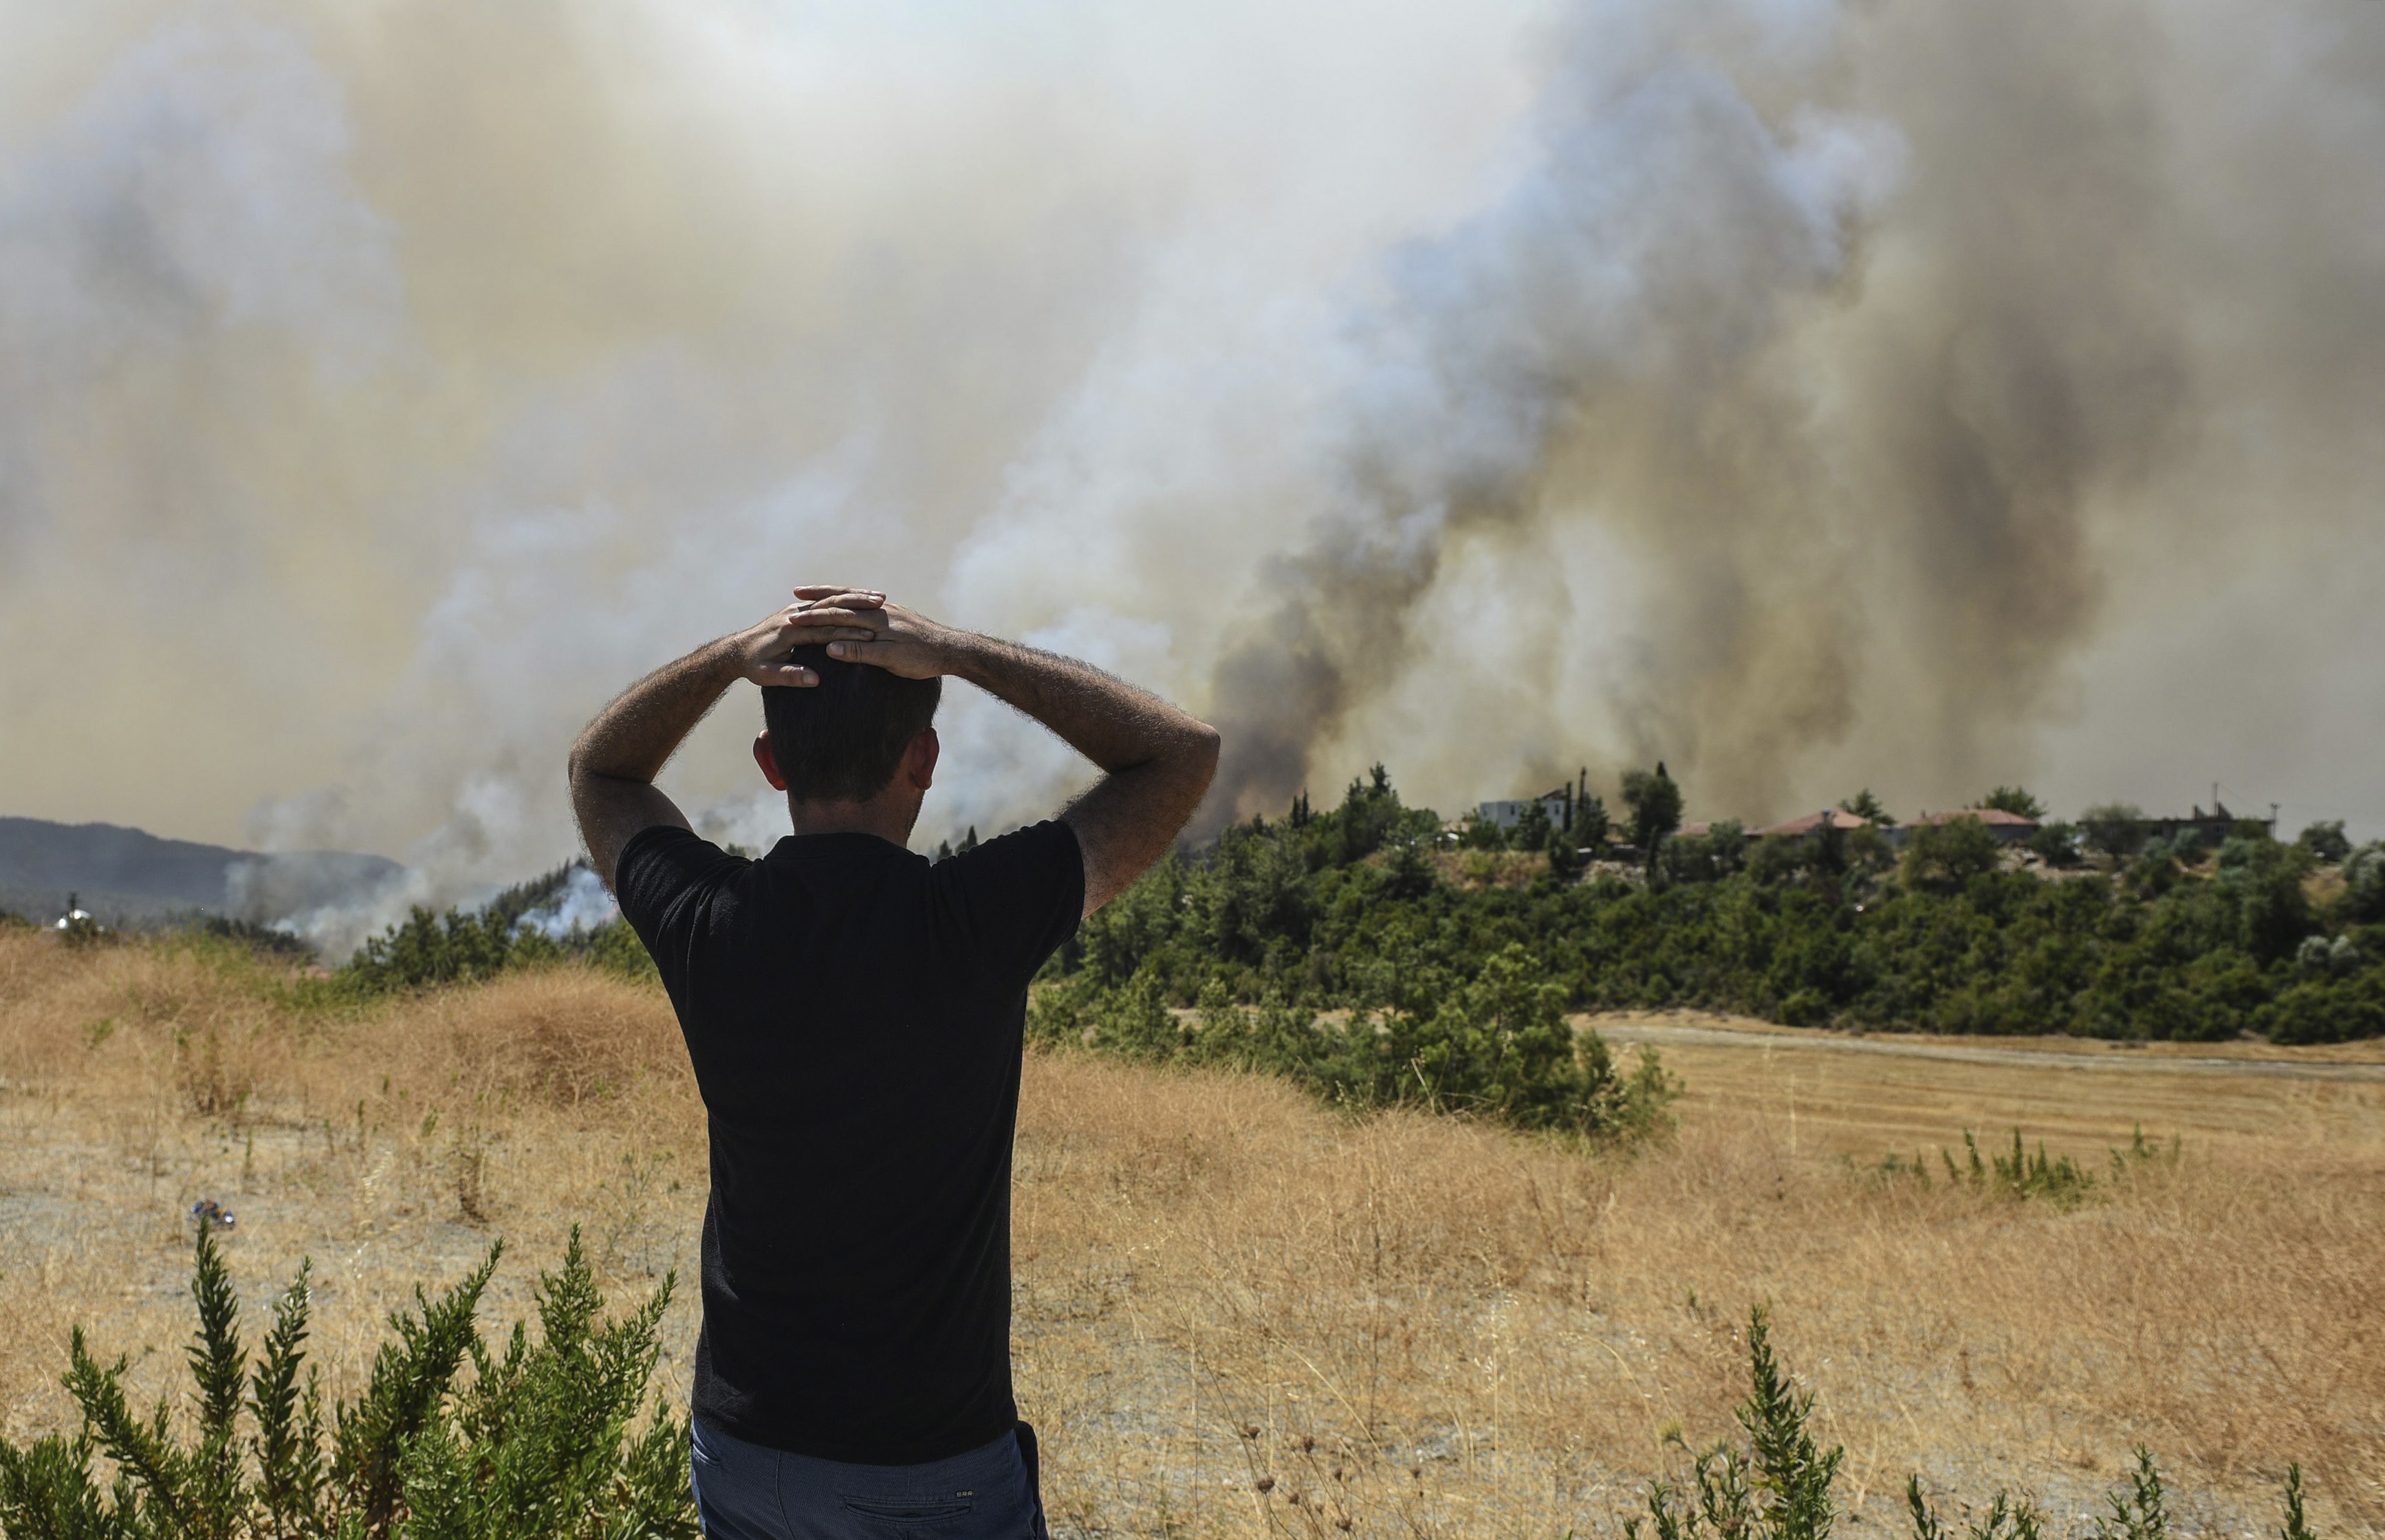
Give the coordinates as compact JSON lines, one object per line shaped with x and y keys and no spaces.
{"x":2022,"y":1173}
{"x":1774,"y":1482}
{"x":540,"y":1439}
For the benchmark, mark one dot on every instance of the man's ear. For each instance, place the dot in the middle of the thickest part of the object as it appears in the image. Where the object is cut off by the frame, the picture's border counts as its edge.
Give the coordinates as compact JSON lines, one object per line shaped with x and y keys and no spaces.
{"x":768,"y":758}
{"x":919,"y":759}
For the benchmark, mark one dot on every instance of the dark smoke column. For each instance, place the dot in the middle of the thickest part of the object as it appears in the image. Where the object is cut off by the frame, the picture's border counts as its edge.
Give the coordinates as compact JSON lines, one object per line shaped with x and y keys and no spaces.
{"x":1655,"y":248}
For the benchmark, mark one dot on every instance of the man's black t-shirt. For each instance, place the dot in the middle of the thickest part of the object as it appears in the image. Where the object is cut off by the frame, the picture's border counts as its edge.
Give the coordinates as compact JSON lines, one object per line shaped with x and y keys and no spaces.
{"x":855,"y":1015}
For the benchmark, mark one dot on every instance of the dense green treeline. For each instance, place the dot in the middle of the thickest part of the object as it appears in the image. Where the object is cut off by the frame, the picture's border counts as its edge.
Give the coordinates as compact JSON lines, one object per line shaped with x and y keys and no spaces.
{"x":465,"y":947}
{"x":1354,"y":910}
{"x":1365,"y":953}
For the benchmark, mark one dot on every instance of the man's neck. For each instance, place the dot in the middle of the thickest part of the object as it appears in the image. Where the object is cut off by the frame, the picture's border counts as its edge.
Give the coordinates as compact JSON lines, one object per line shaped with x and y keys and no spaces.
{"x":887,"y":817}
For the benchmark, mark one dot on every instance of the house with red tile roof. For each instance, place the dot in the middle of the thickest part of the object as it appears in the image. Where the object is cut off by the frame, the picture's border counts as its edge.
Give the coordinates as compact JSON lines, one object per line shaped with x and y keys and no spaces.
{"x":1836,"y":817}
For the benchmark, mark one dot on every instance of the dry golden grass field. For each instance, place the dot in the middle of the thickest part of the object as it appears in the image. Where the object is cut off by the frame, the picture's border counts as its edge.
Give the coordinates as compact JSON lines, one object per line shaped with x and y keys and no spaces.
{"x":1412,"y":1325}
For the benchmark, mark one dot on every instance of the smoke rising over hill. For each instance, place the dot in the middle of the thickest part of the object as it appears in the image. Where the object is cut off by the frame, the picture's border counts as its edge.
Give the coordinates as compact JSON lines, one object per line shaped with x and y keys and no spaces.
{"x":1925,"y":395}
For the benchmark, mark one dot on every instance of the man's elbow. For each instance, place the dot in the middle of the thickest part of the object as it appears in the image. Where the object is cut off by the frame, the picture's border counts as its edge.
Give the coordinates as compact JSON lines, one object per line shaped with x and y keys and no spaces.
{"x":1202,"y":745}
{"x":583,"y":782}
{"x":579,"y":766}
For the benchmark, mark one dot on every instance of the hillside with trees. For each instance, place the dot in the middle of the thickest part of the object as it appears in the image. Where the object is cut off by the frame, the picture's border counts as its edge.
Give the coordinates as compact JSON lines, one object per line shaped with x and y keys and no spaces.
{"x":1362,"y":909}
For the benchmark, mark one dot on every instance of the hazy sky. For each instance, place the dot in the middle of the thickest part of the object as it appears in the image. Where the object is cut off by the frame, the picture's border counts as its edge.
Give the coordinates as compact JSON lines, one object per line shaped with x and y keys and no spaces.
{"x":1915,"y":395}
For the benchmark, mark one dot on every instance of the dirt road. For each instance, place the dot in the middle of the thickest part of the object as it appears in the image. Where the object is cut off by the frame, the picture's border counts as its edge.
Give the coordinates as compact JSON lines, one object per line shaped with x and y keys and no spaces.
{"x":1865,"y":1096}
{"x":2114,"y":1058}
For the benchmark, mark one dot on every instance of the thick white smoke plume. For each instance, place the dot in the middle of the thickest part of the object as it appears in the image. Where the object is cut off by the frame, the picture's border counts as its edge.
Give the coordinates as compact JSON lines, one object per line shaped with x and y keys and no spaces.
{"x":1659,"y":245}
{"x":1811,"y":394}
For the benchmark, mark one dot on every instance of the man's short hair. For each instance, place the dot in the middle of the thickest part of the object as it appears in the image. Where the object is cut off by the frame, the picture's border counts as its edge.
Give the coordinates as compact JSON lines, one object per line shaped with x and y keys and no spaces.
{"x":842,"y":740}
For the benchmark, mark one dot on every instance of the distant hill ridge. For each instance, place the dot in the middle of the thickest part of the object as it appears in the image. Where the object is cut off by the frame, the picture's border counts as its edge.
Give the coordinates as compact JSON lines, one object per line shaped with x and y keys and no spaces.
{"x":127,"y":874}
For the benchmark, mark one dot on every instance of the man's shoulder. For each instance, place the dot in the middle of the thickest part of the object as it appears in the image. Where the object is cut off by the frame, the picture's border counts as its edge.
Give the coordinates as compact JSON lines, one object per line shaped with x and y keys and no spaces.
{"x":1036,"y":848}
{"x":655,"y":836}
{"x":676,"y":847}
{"x":662,"y":864}
{"x":1020,"y":892}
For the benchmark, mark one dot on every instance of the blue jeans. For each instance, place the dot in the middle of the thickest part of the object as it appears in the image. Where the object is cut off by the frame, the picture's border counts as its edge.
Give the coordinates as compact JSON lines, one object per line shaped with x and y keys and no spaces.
{"x":746,"y":1492}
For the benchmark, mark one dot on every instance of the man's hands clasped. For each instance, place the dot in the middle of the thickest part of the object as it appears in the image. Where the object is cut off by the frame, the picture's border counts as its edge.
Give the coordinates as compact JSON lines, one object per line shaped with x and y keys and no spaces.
{"x":857,"y":624}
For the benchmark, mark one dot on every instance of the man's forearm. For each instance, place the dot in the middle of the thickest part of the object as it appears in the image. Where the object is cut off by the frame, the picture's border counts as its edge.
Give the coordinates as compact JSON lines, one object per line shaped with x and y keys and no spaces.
{"x":634,"y":738}
{"x":1158,"y":759}
{"x":1105,"y":719}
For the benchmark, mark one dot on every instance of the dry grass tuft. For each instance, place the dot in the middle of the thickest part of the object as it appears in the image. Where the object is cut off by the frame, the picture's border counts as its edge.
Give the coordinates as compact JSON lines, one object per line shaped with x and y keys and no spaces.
{"x":1406,"y":1324}
{"x":562,"y":1037}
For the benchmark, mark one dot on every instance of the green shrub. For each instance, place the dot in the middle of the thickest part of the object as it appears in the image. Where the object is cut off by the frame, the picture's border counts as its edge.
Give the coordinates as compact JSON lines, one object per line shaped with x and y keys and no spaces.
{"x":2333,"y":1007}
{"x":2115,"y":829}
{"x":2021,"y":1174}
{"x":1775,"y":1483}
{"x":1566,"y":860}
{"x":2364,"y":882}
{"x":2295,"y":1527}
{"x":1498,"y":1046}
{"x":2006,"y":1518}
{"x":1720,"y":852}
{"x":1775,"y":1487}
{"x":2139,"y":1512}
{"x":2060,"y":1179}
{"x":2057,"y":844}
{"x":2325,"y":840}
{"x":1946,"y":856}
{"x":1591,"y":826}
{"x":539,"y":1441}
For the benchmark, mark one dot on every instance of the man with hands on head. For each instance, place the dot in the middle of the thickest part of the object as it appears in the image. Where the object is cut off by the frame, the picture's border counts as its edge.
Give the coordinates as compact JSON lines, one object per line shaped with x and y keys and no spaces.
{"x":855,"y":1018}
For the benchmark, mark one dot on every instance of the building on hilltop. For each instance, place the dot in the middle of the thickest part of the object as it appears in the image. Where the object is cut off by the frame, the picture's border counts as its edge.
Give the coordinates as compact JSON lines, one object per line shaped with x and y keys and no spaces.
{"x":2208,"y":829}
{"x":2009,"y":829}
{"x":1505,"y":814}
{"x":1837,"y":818}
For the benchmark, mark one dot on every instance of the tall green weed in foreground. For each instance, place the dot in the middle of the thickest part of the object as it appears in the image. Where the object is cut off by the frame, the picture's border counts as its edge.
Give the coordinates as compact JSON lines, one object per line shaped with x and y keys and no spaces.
{"x":540,"y":1442}
{"x":1778,"y":1483}
{"x":1777,"y":1487}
